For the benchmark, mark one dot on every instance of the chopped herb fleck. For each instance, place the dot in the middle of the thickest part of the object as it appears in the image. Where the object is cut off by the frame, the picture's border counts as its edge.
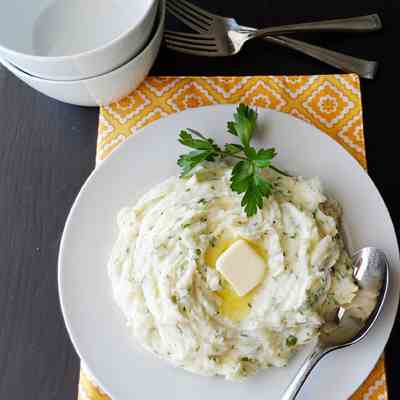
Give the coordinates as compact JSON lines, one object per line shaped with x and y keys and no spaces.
{"x":213,"y":241}
{"x":291,"y":341}
{"x":340,"y":274}
{"x":331,"y":298}
{"x":314,"y":213}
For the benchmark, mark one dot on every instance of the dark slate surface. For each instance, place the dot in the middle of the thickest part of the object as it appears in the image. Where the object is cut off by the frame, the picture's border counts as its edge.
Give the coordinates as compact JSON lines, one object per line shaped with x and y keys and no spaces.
{"x":47,"y":149}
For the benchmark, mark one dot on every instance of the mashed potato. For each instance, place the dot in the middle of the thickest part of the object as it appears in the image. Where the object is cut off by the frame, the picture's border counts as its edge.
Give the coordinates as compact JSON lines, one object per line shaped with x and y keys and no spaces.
{"x":179,"y":307}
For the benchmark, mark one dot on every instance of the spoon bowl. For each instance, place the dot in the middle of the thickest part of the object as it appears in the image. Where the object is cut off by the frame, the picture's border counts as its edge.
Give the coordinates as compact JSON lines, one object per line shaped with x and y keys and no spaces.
{"x":371,"y":272}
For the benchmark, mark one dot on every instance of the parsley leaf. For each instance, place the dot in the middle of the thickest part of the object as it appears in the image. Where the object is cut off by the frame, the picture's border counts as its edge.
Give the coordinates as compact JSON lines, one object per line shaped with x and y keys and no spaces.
{"x":205,"y":149}
{"x":244,"y":124}
{"x":232,"y":148}
{"x":263,"y":186}
{"x":231,"y":128}
{"x":188,"y":161}
{"x":257,"y":188}
{"x":203,"y":143}
{"x":263,"y":157}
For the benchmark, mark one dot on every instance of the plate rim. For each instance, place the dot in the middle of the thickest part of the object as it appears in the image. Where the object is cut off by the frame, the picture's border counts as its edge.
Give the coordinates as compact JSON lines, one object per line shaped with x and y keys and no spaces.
{"x":115,"y":153}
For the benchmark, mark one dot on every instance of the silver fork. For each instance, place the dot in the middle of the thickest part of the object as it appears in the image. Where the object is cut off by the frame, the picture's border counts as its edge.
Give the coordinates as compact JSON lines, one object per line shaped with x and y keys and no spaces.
{"x":220,"y":36}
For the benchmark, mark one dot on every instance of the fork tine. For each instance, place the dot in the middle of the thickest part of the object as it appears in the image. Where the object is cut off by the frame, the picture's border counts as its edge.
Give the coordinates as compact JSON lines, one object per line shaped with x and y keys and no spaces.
{"x":193,"y":52}
{"x":197,"y":9}
{"x":191,"y":45}
{"x":188,"y":20}
{"x":195,"y":18}
{"x":192,"y":9}
{"x":189,"y":36}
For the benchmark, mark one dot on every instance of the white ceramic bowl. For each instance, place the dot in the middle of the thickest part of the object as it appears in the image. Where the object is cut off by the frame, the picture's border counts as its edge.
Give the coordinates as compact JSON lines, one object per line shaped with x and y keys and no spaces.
{"x":73,"y":39}
{"x":106,"y":88}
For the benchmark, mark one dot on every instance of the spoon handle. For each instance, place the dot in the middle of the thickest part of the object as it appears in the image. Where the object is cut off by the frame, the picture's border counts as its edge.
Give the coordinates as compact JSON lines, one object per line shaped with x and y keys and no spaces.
{"x":364,"y":68}
{"x":367,"y":23}
{"x":298,"y":381}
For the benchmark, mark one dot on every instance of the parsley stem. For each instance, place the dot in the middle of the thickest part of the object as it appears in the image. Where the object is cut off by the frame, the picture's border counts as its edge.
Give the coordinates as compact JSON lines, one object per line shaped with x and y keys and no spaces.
{"x":279,"y":171}
{"x":224,"y":153}
{"x":197,"y":133}
{"x":276,"y":169}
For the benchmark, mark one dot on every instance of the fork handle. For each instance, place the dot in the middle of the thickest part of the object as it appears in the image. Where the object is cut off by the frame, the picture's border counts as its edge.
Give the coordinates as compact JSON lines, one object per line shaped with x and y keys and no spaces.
{"x":365,"y":23}
{"x":364,"y":68}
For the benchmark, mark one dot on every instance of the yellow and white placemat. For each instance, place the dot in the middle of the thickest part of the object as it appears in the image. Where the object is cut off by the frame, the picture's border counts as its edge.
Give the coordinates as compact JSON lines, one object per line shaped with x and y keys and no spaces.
{"x":330,"y":102}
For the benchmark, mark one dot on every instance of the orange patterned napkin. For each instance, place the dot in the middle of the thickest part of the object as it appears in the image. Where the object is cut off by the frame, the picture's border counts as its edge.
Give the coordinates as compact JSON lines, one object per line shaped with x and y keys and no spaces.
{"x":332,"y":103}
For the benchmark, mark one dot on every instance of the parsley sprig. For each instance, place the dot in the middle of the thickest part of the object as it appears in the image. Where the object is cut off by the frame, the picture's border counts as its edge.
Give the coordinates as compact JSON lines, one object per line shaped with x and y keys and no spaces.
{"x":245,"y":177}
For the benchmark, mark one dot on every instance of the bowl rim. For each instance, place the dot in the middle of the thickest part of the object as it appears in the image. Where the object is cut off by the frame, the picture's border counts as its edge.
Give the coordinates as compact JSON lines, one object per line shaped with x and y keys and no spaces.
{"x":60,"y":59}
{"x":160,"y":19}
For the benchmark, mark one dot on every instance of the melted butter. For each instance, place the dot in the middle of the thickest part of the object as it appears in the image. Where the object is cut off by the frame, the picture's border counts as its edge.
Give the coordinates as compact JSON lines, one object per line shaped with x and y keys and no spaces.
{"x":216,"y":249}
{"x":232,"y":306}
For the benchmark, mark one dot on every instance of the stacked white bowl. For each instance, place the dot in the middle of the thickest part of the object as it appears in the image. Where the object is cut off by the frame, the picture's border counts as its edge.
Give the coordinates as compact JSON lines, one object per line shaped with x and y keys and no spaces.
{"x":88,"y":53}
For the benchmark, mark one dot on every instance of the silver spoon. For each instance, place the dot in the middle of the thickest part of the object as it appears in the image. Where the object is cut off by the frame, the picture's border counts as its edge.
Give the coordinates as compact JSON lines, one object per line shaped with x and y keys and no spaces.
{"x":371,"y":271}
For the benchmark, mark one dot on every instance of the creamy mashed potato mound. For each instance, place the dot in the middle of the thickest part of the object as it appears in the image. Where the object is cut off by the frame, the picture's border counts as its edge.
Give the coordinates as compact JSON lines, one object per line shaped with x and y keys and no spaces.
{"x":179,"y":307}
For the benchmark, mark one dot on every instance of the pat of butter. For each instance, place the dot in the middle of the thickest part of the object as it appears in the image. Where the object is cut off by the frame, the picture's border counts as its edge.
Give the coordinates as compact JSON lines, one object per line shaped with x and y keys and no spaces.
{"x":241,"y":266}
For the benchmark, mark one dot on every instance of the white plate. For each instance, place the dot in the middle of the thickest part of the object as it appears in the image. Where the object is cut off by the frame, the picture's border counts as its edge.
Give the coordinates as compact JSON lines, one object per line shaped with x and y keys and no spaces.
{"x":96,"y":325}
